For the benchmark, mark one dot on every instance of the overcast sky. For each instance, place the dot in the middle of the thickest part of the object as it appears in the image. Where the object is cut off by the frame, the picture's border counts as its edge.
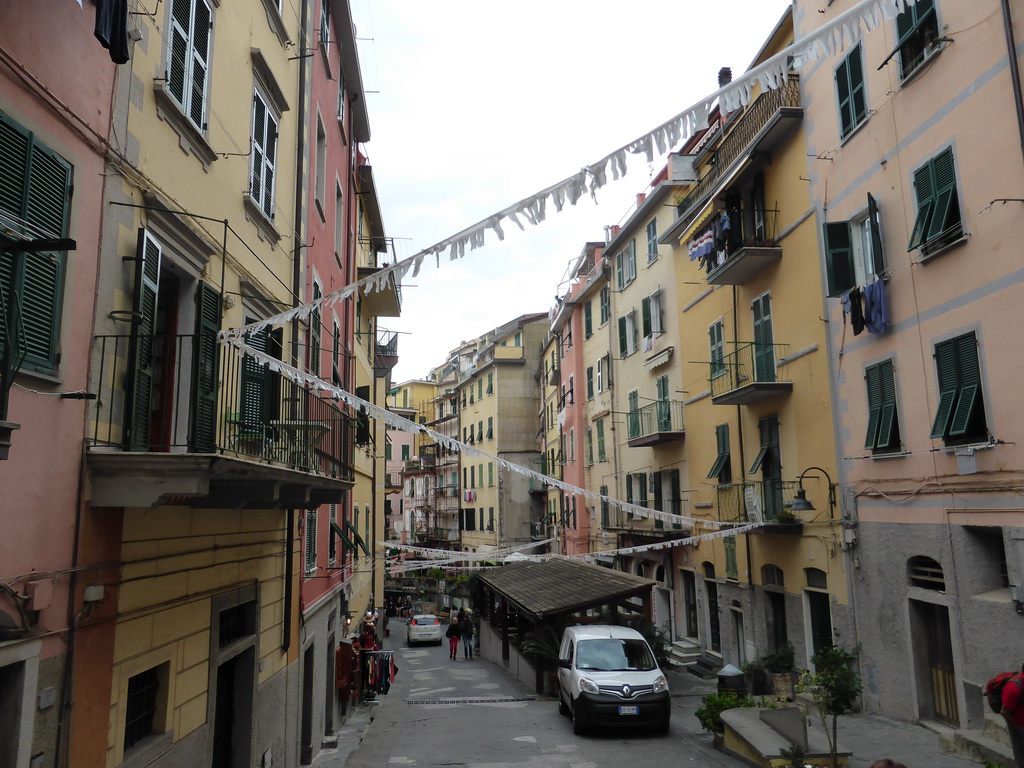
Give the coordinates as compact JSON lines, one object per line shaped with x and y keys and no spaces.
{"x":475,"y":105}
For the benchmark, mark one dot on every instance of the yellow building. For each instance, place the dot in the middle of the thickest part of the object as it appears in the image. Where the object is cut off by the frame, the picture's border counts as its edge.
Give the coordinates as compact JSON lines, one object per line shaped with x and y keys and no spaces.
{"x":755,"y":370}
{"x":498,"y":407}
{"x":553,"y":445}
{"x":200,"y":461}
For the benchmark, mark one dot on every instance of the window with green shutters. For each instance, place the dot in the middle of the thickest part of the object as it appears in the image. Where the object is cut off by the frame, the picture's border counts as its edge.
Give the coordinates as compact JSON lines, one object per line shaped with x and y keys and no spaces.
{"x":588,"y":320}
{"x":490,"y":427}
{"x":604,"y":507}
{"x":479,"y":389}
{"x":883,"y":432}
{"x":938,"y":221}
{"x":652,"y":240}
{"x":850,"y":92}
{"x":35,"y":197}
{"x":721,"y":470}
{"x":960,"y":417}
{"x":205,"y":367}
{"x":387,"y":451}
{"x":405,"y":453}
{"x":590,"y":446}
{"x":732,"y":570}
{"x":490,"y":383}
{"x":634,"y":413}
{"x":590,"y":382}
{"x":310,"y":541}
{"x":853,"y":250}
{"x":627,"y":334}
{"x":605,"y":301}
{"x":490,"y":474}
{"x":188,"y":60}
{"x":716,"y":341}
{"x":263,"y":166}
{"x":599,"y":426}
{"x":917,"y":28}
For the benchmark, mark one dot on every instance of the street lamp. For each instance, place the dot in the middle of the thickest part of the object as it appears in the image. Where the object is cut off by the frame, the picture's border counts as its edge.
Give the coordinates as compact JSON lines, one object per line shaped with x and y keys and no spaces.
{"x":801,"y":504}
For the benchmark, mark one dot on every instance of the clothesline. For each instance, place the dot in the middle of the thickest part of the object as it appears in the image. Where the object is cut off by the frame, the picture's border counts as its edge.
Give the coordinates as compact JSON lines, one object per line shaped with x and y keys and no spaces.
{"x":828,"y":40}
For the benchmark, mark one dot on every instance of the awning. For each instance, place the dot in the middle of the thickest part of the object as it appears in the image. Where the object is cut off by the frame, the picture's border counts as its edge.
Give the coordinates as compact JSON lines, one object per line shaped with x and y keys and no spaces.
{"x":658,"y":359}
{"x":551,"y":587}
{"x":359,"y":539}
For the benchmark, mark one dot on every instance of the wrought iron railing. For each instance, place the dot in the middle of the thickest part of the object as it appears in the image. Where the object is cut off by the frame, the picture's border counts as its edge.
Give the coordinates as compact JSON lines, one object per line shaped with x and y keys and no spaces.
{"x":751,"y":362}
{"x":178,"y":396}
{"x":742,"y":133}
{"x":755,"y":501}
{"x":749,"y":228}
{"x":656,"y":418}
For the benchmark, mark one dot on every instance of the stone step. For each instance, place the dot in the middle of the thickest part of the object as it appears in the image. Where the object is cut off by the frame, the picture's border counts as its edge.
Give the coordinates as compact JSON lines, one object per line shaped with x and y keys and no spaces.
{"x":975,"y":745}
{"x":995,"y":728}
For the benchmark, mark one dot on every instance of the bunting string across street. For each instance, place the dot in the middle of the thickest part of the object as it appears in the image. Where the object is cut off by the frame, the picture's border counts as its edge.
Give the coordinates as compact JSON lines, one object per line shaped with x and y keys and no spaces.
{"x":832,"y":38}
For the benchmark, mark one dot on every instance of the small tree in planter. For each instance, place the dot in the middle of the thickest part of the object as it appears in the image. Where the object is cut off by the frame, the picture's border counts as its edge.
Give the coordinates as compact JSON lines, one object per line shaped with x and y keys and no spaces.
{"x":779,"y":665}
{"x":834,"y":685}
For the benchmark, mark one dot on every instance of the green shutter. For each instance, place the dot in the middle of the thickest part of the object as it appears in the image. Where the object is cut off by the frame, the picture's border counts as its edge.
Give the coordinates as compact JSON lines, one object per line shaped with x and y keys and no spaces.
{"x":622,"y":337}
{"x":875,"y":228}
{"x":842,"y":77}
{"x":601,"y":456}
{"x":645,"y":313}
{"x":887,"y":418}
{"x":945,"y":367}
{"x":588,"y":320}
{"x":924,"y":189}
{"x":205,"y":364}
{"x":618,"y":270}
{"x":838,"y":257}
{"x":255,"y":394}
{"x":874,"y":385}
{"x":764,"y":348}
{"x":969,"y":373}
{"x":143,"y":338}
{"x":858,"y":106}
{"x":944,"y":178}
{"x":14,"y":153}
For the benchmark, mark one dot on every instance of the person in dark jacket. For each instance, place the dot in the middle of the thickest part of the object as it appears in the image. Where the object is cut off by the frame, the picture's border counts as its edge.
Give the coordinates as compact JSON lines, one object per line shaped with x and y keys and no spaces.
{"x":467,"y":636}
{"x":452,"y":633}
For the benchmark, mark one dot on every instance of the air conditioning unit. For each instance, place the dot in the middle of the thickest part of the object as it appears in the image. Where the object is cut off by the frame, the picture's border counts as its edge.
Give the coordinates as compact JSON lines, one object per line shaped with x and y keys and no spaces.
{"x":681,"y":169}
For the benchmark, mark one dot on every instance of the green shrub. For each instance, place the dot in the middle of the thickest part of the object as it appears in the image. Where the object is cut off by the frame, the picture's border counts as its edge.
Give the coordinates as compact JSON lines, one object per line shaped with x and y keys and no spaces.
{"x":779,"y":661}
{"x":714,"y":704}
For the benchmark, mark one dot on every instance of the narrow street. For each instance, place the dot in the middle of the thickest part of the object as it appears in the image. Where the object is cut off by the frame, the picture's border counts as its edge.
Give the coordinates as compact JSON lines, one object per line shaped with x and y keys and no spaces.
{"x":471,"y":712}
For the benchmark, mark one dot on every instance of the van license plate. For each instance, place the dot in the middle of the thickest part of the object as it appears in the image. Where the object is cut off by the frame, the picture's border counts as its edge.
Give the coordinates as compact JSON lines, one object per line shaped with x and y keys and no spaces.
{"x":629,"y":710}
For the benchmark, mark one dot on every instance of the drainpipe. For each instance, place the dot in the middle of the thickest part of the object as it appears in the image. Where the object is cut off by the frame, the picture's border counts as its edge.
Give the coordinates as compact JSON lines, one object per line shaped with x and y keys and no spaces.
{"x":1011,"y":55}
{"x":300,"y":151}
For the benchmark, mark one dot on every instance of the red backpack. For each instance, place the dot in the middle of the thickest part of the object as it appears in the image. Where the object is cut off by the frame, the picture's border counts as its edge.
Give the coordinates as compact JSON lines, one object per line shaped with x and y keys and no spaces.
{"x":994,"y":689}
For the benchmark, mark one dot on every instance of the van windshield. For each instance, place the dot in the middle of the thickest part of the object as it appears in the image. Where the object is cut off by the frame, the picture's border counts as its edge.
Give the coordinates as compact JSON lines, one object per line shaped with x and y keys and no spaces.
{"x":615,"y":655}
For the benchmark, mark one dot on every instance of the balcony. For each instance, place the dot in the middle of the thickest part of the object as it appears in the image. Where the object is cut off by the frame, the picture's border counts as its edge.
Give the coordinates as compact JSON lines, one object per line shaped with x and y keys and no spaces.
{"x":200,"y":426}
{"x":386,"y":354}
{"x":766,"y":501}
{"x":759,"y":129}
{"x":392,"y":482}
{"x":656,"y":423}
{"x":750,"y":246}
{"x":747,"y":374}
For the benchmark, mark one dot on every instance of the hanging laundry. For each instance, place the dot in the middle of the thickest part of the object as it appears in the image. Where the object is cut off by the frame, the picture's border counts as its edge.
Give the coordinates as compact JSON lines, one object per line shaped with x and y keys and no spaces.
{"x":856,"y":311}
{"x":112,"y":28}
{"x":876,"y":311}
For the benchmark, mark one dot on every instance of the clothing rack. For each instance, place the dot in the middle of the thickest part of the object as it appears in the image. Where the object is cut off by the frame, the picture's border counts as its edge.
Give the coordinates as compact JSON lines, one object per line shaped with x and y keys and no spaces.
{"x":379,"y":671}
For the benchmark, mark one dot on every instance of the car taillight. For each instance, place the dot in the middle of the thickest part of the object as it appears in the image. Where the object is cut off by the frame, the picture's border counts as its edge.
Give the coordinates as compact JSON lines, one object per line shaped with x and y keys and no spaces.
{"x":437,"y":621}
{"x":414,"y":622}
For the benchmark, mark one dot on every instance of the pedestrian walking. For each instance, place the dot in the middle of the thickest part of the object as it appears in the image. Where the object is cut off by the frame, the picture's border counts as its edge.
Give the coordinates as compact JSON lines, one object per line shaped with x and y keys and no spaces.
{"x":452,"y":633}
{"x":1013,"y":712}
{"x":467,"y":636}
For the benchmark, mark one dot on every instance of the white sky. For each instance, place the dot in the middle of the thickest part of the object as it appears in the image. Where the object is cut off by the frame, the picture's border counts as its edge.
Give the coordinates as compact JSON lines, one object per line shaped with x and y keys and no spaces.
{"x":480,"y":104}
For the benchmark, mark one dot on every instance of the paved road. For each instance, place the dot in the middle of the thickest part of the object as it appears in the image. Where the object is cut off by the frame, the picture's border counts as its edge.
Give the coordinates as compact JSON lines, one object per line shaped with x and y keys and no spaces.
{"x":472,"y":713}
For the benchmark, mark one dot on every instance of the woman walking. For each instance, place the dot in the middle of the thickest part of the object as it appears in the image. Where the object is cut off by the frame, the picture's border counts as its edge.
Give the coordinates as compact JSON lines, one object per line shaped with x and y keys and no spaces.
{"x":467,"y":637}
{"x":452,"y":633}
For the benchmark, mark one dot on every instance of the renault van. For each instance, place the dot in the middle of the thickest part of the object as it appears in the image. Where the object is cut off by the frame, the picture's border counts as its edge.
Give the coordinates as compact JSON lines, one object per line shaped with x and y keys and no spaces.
{"x":607,"y":675}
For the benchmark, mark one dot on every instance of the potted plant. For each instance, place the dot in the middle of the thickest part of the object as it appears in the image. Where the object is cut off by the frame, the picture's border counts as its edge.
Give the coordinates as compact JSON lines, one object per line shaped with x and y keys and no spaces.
{"x":779,"y":666}
{"x":756,"y":676}
{"x":834,"y":686}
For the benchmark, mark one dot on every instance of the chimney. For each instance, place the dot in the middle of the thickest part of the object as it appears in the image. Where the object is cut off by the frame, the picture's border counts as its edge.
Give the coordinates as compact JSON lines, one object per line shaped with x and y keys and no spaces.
{"x":640,"y":197}
{"x":724,"y":76}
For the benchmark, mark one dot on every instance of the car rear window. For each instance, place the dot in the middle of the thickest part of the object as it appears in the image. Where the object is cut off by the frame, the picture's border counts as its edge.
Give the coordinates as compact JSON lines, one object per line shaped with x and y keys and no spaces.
{"x":615,"y":655}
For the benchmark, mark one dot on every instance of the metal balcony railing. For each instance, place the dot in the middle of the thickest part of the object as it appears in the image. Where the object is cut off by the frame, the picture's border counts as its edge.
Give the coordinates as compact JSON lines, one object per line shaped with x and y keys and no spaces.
{"x":176,"y":394}
{"x":754,"y":501}
{"x":750,"y":363}
{"x":660,"y":417}
{"x":742,"y":134}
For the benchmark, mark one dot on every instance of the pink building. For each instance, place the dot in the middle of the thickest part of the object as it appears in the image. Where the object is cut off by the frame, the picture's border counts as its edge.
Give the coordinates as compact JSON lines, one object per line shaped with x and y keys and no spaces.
{"x":54,"y":120}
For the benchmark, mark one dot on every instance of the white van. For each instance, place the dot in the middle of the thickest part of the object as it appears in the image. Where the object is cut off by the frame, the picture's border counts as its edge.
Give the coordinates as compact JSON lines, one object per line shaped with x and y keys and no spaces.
{"x":607,"y":675}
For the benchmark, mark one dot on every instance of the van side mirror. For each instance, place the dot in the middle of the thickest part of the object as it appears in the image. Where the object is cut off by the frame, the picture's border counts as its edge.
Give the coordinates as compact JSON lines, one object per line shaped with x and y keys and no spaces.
{"x":565,"y":663}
